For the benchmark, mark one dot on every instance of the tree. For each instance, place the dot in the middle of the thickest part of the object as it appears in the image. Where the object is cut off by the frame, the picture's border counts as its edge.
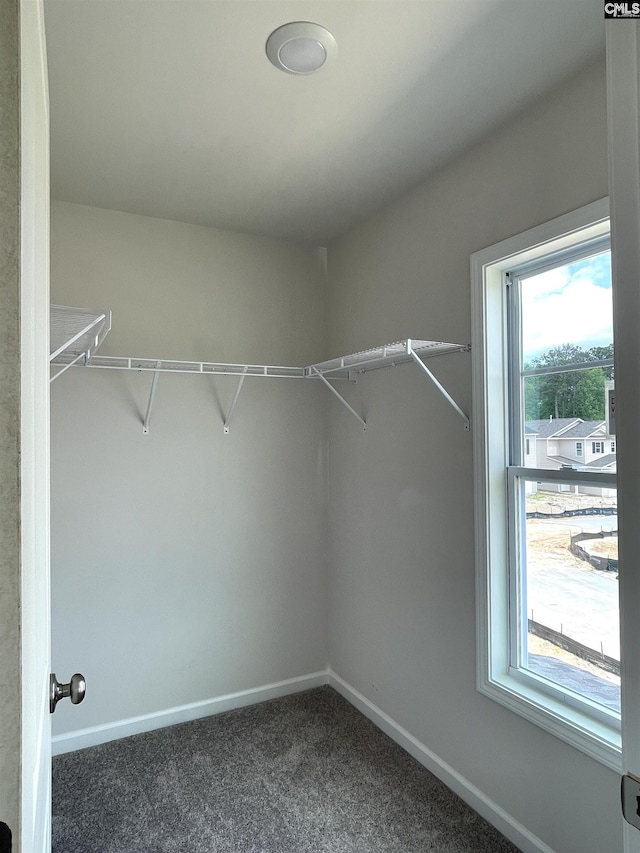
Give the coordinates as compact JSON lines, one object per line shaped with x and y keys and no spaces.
{"x":597,"y":353}
{"x":571,"y":394}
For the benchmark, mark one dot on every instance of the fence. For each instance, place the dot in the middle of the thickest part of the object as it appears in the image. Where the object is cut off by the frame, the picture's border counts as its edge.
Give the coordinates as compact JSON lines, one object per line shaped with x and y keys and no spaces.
{"x":605,"y":564}
{"x":572,"y":513}
{"x":574,"y":647}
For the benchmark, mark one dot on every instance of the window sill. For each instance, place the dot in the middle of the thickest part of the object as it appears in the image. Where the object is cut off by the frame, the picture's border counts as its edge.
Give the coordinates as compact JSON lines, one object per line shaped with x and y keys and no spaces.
{"x":598,"y":740}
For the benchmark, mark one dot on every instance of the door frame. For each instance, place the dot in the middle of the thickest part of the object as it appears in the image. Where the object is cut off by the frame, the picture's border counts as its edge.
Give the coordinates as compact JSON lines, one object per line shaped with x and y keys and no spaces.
{"x":623,"y":147}
{"x":10,"y":668}
{"x":35,"y":827}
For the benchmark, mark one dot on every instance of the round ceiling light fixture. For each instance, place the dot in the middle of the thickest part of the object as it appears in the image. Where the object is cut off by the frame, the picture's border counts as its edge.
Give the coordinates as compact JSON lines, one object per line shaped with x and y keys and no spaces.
{"x":300,"y":47}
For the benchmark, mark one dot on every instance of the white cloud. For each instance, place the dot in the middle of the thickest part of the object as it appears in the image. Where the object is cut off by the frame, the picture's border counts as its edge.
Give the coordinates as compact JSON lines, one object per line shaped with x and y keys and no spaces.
{"x":558,"y":310}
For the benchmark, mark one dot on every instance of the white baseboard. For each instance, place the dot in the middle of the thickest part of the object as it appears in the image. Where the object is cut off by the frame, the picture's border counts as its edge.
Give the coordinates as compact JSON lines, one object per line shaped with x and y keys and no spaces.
{"x":490,"y":811}
{"x":184,"y":713}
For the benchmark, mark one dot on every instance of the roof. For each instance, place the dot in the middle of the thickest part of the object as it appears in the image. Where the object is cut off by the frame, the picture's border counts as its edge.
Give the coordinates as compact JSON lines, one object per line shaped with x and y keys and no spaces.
{"x":550,"y":427}
{"x":564,"y":428}
{"x":585,"y":429}
{"x":602,"y":461}
{"x":565,"y":462}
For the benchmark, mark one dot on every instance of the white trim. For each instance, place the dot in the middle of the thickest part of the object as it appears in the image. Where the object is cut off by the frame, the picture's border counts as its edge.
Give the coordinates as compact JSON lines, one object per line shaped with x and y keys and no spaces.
{"x":33,"y":830}
{"x":95,"y":735}
{"x":512,"y":829}
{"x":562,"y":475}
{"x":528,"y":245}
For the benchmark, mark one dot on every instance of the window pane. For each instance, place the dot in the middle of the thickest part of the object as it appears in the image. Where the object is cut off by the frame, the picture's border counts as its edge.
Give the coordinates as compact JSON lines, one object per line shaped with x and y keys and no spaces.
{"x":567,"y":318}
{"x":569,"y":607}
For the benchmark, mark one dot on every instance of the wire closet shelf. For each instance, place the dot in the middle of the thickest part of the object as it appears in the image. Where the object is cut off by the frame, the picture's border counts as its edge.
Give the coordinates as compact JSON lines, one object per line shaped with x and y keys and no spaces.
{"x":76,"y":334}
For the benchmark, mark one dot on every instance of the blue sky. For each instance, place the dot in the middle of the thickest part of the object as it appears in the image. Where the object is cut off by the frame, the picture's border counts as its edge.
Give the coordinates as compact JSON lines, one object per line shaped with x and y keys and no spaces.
{"x":569,"y":304}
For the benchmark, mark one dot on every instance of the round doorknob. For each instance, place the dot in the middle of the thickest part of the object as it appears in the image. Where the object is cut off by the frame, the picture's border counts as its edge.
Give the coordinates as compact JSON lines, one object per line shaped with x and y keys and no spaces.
{"x":74,"y":690}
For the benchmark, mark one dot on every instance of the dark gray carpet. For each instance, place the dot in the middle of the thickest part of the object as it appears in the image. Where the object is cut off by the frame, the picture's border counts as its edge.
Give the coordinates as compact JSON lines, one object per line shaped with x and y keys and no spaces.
{"x":303,"y":774}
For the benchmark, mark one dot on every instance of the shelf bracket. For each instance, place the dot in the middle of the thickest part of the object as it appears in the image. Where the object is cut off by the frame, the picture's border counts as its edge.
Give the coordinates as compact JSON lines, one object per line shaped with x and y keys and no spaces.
{"x":82,"y":355}
{"x":438,"y":384}
{"x":227,"y":420}
{"x":339,"y":396}
{"x":152,"y":393}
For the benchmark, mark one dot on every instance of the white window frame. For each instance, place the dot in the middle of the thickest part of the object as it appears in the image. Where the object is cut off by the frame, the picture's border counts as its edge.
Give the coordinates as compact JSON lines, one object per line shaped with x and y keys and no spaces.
{"x":579,"y":449}
{"x":597,"y":446}
{"x":595,"y":734}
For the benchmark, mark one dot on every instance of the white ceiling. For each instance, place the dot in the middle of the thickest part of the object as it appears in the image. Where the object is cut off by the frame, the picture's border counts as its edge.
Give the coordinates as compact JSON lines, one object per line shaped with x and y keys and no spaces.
{"x":170,"y":108}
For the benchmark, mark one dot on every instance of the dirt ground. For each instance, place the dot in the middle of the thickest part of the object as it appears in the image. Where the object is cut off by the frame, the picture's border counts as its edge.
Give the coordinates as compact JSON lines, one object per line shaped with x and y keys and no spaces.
{"x":607,"y":547}
{"x":553,"y":547}
{"x":560,"y":501}
{"x":556,"y":546}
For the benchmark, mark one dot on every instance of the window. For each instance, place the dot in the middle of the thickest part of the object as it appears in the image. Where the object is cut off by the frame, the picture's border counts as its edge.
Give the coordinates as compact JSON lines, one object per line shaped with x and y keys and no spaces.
{"x":528,"y":447}
{"x":597,"y":446}
{"x":548,"y":638}
{"x":613,"y":447}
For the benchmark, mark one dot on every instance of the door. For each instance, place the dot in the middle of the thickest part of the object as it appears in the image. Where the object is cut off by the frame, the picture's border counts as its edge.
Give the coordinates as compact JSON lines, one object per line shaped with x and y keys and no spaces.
{"x":35,"y":795}
{"x":623,"y":106}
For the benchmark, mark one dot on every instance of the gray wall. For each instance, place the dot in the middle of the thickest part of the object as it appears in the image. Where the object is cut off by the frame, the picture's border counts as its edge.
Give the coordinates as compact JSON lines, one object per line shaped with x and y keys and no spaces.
{"x":186,"y":564}
{"x":402,"y":606}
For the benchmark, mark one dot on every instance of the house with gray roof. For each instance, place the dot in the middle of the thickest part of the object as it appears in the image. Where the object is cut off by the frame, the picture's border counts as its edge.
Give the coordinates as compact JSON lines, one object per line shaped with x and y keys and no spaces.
{"x":558,"y":443}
